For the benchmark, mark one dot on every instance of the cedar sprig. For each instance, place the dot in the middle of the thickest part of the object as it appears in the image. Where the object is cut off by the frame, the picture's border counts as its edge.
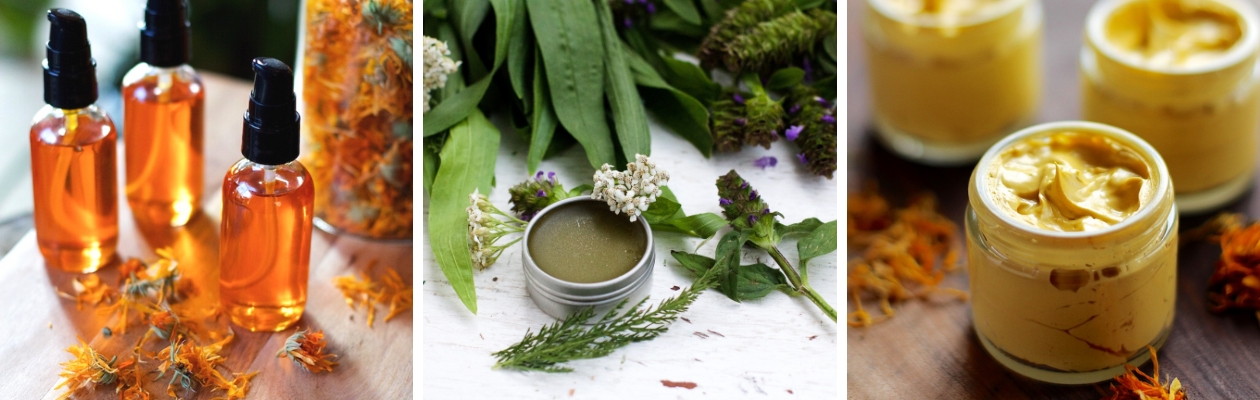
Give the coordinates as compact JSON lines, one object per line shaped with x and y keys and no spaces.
{"x":728,"y":121}
{"x":810,"y":113}
{"x":568,"y":339}
{"x":738,"y":21}
{"x":775,"y":43}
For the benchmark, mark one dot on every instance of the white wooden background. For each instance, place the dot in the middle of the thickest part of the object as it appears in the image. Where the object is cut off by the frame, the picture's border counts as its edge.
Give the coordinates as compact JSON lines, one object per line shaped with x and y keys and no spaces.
{"x":775,"y":347}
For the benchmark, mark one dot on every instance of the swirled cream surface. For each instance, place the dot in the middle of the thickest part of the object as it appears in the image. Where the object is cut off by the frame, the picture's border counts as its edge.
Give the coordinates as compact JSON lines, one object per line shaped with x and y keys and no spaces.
{"x":1069,"y":181}
{"x":1174,"y":33}
{"x":944,"y":9}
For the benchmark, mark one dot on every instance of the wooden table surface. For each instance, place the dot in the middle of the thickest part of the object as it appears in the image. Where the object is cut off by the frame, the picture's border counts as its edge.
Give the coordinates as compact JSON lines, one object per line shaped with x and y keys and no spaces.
{"x":929,"y":350}
{"x":36,"y":325}
{"x":774,"y":347}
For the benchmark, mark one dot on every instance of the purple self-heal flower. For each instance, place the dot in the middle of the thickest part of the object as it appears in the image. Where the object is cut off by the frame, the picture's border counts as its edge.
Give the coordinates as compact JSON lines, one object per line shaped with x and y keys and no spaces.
{"x":793,"y":131}
{"x":739,"y":99}
{"x":753,"y":195}
{"x":741,"y":121}
{"x":809,"y":70}
{"x":765,"y":211}
{"x":538,"y":176}
{"x":724,"y":202}
{"x":795,"y":109}
{"x":752,"y":219}
{"x":801,"y":156}
{"x":767,"y":161}
{"x":541,"y":193}
{"x":625,"y":22}
{"x":828,"y":118}
{"x":552,"y":177}
{"x":744,"y":185}
{"x":822,"y":101}
{"x":651,"y":8}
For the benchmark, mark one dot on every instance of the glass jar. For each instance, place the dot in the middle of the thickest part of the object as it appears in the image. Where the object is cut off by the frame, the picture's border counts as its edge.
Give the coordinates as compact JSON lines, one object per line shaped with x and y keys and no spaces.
{"x":1072,"y":307}
{"x":949,"y":83}
{"x":355,"y":84}
{"x":1199,"y":107}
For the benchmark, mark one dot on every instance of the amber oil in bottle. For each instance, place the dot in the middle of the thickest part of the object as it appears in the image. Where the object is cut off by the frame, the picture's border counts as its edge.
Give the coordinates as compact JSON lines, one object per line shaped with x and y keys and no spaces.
{"x":163,"y":106}
{"x":268,"y":200}
{"x":73,"y":156}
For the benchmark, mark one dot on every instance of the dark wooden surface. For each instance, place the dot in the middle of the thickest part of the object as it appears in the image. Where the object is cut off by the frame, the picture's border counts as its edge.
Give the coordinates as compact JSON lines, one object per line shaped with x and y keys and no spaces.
{"x":929,"y":349}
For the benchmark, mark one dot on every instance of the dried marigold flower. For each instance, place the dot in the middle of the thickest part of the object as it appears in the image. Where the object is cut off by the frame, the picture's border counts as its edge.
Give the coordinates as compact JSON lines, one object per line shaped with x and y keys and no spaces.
{"x":1236,"y":282}
{"x":362,"y":290}
{"x":307,"y":349}
{"x":89,"y":289}
{"x":914,"y":245}
{"x":130,"y":384}
{"x":194,"y":366}
{"x":86,"y":370}
{"x":1137,"y":385}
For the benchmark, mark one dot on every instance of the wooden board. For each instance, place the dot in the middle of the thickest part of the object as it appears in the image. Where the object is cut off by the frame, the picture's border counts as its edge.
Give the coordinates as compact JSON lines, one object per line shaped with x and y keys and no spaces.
{"x":775,"y":347}
{"x":929,"y":350}
{"x":37,"y":325}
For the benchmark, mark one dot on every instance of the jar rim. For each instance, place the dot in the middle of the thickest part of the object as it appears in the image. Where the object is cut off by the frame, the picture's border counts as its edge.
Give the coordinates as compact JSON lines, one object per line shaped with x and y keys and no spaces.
{"x":1159,"y":194}
{"x":988,"y":14}
{"x":1101,"y":12}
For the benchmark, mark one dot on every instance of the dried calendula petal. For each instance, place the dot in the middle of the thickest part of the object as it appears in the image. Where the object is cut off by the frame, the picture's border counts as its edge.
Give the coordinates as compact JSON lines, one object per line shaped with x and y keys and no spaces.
{"x":1137,"y":385}
{"x":307,"y":349}
{"x":1236,"y":282}
{"x":391,"y":291}
{"x":194,"y":366}
{"x":130,"y":383}
{"x":913,"y":245}
{"x":89,"y":289}
{"x":86,"y":370}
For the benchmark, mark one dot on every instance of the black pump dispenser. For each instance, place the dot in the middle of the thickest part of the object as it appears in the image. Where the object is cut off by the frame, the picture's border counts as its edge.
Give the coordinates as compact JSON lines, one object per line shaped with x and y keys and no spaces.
{"x":270,"y":135}
{"x":69,"y":70}
{"x":164,"y":34}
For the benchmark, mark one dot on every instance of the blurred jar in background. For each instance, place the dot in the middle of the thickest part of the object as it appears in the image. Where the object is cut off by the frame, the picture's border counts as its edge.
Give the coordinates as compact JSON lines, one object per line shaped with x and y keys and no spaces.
{"x":951,"y":77}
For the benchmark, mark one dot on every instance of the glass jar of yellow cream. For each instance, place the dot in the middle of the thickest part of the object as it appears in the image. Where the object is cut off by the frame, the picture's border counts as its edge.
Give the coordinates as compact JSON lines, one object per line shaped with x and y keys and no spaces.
{"x":951,"y":77}
{"x":1072,"y":251}
{"x":1183,"y":76}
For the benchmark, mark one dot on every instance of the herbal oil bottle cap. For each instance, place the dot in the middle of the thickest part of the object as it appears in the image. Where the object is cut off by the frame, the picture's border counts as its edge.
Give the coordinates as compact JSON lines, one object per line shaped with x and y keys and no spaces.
{"x":69,"y":70}
{"x":270,"y":134}
{"x":164,"y":33}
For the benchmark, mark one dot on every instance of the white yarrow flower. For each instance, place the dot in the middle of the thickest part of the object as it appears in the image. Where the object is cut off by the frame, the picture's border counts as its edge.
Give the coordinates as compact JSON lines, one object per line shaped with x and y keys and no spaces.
{"x":484,"y":228}
{"x":631,"y":191}
{"x":436,"y":67}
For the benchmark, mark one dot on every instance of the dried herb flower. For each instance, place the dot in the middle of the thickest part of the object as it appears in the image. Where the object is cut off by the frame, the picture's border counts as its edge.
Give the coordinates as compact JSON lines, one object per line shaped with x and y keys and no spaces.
{"x":632,"y":191}
{"x":534,"y":194}
{"x":737,"y":22}
{"x":130,"y":382}
{"x":1137,"y":385}
{"x":437,"y":65}
{"x":775,"y":43}
{"x":89,"y":289}
{"x":914,"y":245}
{"x":764,"y":116}
{"x":307,"y":350}
{"x":86,"y":370}
{"x":1235,"y":284}
{"x":485,"y":227}
{"x":391,"y":291}
{"x":194,"y":367}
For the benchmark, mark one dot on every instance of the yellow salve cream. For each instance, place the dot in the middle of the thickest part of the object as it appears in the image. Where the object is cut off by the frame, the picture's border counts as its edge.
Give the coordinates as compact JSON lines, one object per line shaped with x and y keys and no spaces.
{"x":1183,"y":76}
{"x":951,"y":77}
{"x":1072,"y":251}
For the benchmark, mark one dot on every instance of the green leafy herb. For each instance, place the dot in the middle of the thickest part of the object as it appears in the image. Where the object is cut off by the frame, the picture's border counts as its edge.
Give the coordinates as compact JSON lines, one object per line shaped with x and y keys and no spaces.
{"x":545,"y":122}
{"x":786,"y":78}
{"x":685,"y":9}
{"x":573,"y":54}
{"x":628,"y":115}
{"x":819,"y":242}
{"x":738,"y":22}
{"x":753,"y":281}
{"x":569,"y":339}
{"x":467,"y":165}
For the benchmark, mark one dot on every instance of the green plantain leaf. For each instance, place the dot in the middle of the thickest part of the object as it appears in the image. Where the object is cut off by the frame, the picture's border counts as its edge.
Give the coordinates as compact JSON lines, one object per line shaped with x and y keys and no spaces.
{"x":685,"y":9}
{"x":467,"y":164}
{"x":627,"y":109}
{"x":520,"y":49}
{"x":573,"y":55}
{"x":689,"y":78}
{"x":544,"y":124}
{"x":786,"y":78}
{"x":455,"y":108}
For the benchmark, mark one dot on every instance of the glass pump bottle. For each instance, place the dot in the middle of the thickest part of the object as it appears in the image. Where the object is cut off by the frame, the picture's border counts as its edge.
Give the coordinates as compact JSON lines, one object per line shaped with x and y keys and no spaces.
{"x":163,"y":106}
{"x":73,"y":145}
{"x":268,"y":206}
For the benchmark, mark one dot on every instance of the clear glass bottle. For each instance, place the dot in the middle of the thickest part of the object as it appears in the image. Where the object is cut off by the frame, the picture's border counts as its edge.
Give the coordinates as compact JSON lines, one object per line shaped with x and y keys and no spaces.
{"x":1192,"y":89}
{"x":73,"y":155}
{"x":73,"y":167}
{"x":268,"y":206}
{"x":949,"y":79}
{"x":164,"y":111}
{"x":164,"y":115}
{"x":355,"y":85}
{"x":1072,"y":307}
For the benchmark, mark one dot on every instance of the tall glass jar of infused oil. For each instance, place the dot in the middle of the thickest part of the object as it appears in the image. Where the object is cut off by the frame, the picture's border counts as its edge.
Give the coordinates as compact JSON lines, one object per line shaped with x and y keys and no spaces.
{"x":948,"y":77}
{"x":355,"y":88}
{"x":1072,"y":251}
{"x":1183,"y":76}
